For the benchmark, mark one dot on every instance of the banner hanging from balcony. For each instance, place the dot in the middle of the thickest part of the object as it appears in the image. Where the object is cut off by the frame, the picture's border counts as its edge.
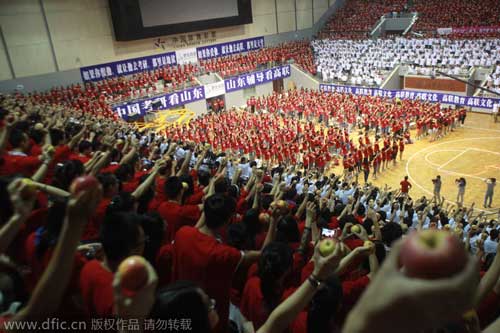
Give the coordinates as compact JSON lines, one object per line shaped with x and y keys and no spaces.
{"x":252,"y":79}
{"x":127,"y":67}
{"x":477,"y":102}
{"x":163,"y":102}
{"x":183,"y":56}
{"x":139,"y":108}
{"x":234,"y":47}
{"x":468,"y":30}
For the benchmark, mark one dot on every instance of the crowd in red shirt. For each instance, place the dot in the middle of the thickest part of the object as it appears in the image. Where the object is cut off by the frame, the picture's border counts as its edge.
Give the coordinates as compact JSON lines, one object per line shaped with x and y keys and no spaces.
{"x":455,"y":13}
{"x":227,"y":211}
{"x":359,"y":16}
{"x":299,"y":51}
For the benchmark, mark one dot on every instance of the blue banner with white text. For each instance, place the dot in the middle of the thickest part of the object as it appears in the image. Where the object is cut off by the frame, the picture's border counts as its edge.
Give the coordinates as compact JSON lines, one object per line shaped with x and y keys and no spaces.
{"x":471,"y":101}
{"x":251,"y":79}
{"x":234,"y":47}
{"x":171,"y":100}
{"x":127,"y":67}
{"x":167,"y":101}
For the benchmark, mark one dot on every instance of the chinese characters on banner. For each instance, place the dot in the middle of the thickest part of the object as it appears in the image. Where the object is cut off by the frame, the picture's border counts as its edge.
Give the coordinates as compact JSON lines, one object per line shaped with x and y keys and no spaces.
{"x":468,"y":30}
{"x":183,"y":56}
{"x":478,"y":102}
{"x":167,"y":101}
{"x":225,"y":49}
{"x":256,"y":78}
{"x":171,"y":100}
{"x":127,"y":67}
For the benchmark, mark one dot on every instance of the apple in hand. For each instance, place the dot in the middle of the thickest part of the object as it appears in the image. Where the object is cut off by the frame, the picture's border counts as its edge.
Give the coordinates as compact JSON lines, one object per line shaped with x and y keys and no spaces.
{"x":29,"y":190}
{"x":356,"y":229}
{"x":327,"y":246}
{"x":432,"y":254}
{"x":264,"y":218}
{"x":50,"y":149}
{"x":369,"y":244}
{"x":83,"y":183}
{"x":133,"y":273}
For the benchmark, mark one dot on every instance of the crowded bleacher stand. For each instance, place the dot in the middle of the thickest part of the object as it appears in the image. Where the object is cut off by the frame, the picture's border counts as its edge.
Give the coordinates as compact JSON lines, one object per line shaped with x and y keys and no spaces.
{"x":229,"y":210}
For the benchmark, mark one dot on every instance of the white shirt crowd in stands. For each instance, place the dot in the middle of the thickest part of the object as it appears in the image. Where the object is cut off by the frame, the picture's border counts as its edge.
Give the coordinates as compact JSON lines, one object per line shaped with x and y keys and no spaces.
{"x":367,"y":62}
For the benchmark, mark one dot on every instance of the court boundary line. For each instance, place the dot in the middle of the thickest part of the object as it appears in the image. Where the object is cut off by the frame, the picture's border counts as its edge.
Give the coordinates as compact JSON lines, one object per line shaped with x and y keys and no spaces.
{"x":439,"y":151}
{"x":481,"y":128}
{"x":440,"y":169}
{"x":407,"y":169}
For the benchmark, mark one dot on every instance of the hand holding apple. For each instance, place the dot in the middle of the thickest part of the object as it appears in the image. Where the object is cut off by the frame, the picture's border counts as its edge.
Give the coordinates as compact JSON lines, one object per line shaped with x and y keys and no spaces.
{"x":83,"y":183}
{"x":326,"y":261}
{"x":83,"y":203}
{"x":28,"y":189}
{"x":356,"y":229}
{"x":397,"y":295}
{"x":133,"y":274}
{"x":22,"y":193}
{"x":139,"y":303}
{"x":359,"y":231}
{"x":327,"y":246}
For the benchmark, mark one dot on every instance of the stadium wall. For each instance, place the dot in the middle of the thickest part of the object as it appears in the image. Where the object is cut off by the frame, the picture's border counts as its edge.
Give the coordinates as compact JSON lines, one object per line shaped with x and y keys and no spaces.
{"x":47,"y":36}
{"x":300,"y":79}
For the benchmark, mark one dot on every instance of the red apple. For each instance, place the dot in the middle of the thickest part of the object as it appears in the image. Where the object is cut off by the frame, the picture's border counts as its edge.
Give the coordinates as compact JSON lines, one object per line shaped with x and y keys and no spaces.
{"x":432,"y":254}
{"x":29,"y":190}
{"x":134,"y":274}
{"x":327,"y":246}
{"x":83,"y":183}
{"x":356,"y":229}
{"x":264,"y":218}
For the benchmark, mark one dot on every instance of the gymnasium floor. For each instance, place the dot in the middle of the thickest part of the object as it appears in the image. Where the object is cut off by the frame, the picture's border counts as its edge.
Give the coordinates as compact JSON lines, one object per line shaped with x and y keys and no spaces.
{"x":472,"y":152}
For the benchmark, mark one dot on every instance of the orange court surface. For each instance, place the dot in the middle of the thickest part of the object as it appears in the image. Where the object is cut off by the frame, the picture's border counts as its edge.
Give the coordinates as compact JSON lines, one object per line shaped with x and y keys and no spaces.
{"x":472,"y":152}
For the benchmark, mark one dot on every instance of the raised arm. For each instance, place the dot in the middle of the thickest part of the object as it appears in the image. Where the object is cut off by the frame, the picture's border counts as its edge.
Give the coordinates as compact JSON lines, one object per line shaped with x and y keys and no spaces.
{"x":48,"y":295}
{"x":142,"y":188}
{"x":76,"y":139}
{"x":41,"y":172}
{"x":489,"y":279}
{"x":185,"y":164}
{"x":22,"y":200}
{"x":287,"y":311}
{"x":103,"y":160}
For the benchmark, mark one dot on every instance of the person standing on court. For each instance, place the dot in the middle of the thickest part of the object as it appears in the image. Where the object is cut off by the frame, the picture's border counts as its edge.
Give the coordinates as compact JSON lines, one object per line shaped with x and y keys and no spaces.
{"x":405,"y":186}
{"x":437,"y":188}
{"x":461,"y":183}
{"x":490,"y":186}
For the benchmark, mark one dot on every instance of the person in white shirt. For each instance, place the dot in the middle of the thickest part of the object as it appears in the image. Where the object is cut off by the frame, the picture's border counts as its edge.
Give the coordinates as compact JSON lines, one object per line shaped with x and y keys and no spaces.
{"x":491,"y":243}
{"x":246,"y":169}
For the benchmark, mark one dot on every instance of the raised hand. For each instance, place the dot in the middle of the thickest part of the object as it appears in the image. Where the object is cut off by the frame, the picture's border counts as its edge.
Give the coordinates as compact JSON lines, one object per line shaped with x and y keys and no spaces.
{"x":22,"y":193}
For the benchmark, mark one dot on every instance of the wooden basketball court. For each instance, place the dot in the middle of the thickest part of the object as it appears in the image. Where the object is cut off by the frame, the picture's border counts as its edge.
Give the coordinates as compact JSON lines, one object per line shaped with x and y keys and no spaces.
{"x":472,"y":152}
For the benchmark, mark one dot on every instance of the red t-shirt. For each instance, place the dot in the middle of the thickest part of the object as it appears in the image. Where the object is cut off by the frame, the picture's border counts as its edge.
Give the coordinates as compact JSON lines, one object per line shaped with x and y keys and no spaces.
{"x":96,"y":285}
{"x":201,"y":258}
{"x":17,"y":164}
{"x":92,"y":228}
{"x":253,"y":306}
{"x":177,"y":216}
{"x":405,"y":186}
